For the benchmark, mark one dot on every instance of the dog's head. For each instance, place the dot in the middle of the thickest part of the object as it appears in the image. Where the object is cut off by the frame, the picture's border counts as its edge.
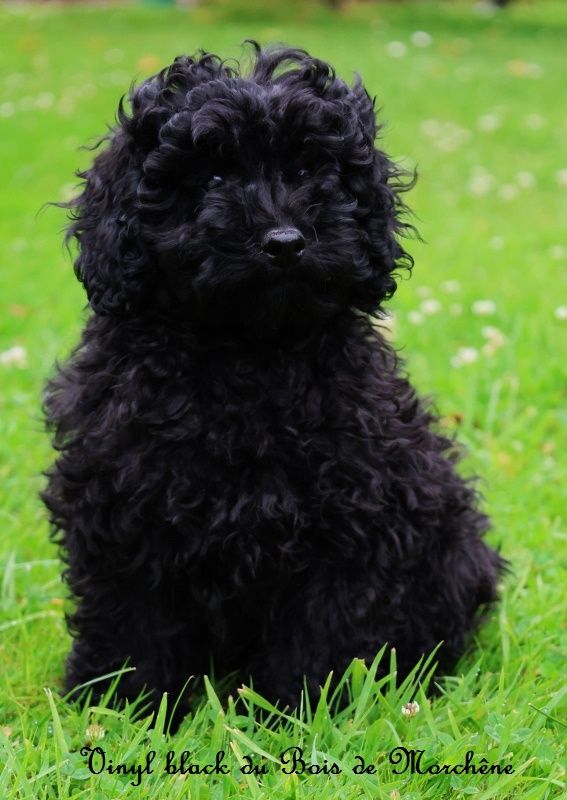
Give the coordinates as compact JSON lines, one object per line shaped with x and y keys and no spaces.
{"x":255,"y":200}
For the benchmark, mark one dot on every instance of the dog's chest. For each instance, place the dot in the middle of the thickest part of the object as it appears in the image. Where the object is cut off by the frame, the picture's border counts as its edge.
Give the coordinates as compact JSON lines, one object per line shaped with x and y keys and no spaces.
{"x":279,"y":455}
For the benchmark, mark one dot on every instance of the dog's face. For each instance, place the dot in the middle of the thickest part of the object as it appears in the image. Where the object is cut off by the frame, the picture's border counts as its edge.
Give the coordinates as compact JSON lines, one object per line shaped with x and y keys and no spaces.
{"x":256,"y":200}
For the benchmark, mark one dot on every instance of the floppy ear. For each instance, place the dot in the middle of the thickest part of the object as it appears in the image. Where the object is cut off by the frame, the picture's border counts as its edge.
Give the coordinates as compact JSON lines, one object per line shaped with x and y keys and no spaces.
{"x":385,"y":225}
{"x":378,"y":184}
{"x":113,"y":263}
{"x":116,"y":216}
{"x":363,"y":104}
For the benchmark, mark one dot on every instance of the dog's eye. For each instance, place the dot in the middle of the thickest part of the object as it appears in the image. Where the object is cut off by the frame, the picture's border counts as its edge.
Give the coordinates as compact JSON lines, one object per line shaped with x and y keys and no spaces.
{"x":214,"y":182}
{"x":302,"y":173}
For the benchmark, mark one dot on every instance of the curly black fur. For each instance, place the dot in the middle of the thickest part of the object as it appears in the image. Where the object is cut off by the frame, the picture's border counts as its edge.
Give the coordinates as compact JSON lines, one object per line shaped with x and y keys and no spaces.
{"x":244,"y":474}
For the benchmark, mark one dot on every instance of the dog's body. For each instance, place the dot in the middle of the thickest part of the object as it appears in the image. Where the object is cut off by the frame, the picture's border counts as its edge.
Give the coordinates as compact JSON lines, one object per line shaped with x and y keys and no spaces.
{"x":244,"y":473}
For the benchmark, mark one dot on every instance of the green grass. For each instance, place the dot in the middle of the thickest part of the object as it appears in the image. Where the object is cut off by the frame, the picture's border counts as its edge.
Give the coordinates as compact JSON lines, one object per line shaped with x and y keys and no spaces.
{"x":480,"y":112}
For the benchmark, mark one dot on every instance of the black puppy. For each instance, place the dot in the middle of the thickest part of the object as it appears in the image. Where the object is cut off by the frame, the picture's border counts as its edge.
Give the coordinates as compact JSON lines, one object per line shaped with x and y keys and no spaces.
{"x":243,"y":472}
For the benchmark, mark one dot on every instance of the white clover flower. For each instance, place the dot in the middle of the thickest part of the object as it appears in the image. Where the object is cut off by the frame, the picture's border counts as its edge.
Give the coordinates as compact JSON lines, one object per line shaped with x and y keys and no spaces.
{"x":519,"y":68}
{"x":534,"y":70}
{"x":465,"y":355}
{"x":396,"y":49}
{"x":410,"y":709}
{"x":19,"y":245}
{"x":421,"y":39}
{"x":525,"y":179}
{"x":451,"y":286}
{"x":483,"y":308}
{"x":415,"y":317}
{"x":495,"y":340}
{"x":16,"y":356}
{"x":484,"y":9}
{"x":488,"y":122}
{"x":7,"y":109}
{"x":453,"y":137}
{"x":480,"y":184}
{"x":535,"y":122}
{"x":493,"y":334}
{"x":430,"y":306}
{"x":430,"y":127}
{"x":508,"y":191}
{"x":497,"y":242}
{"x":557,"y":251}
{"x":561,"y":313}
{"x":468,"y":355}
{"x":44,"y":101}
{"x":95,"y":732}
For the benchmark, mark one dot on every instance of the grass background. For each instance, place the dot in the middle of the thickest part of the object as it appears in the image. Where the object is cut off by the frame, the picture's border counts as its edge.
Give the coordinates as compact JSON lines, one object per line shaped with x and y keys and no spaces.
{"x":481,"y":111}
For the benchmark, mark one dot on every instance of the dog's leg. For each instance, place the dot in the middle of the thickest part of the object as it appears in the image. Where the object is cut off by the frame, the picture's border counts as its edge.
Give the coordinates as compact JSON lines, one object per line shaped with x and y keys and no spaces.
{"x":442,"y":600}
{"x":339,"y":615}
{"x":121,"y":623}
{"x":319,"y":626}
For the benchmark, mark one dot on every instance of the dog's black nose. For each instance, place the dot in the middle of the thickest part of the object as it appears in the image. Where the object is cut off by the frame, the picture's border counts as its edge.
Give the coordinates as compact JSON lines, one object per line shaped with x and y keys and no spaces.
{"x":283,"y":244}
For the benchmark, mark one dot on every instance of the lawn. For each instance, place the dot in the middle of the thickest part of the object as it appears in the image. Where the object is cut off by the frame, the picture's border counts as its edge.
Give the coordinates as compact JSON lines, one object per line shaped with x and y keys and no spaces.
{"x":477,"y":103}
